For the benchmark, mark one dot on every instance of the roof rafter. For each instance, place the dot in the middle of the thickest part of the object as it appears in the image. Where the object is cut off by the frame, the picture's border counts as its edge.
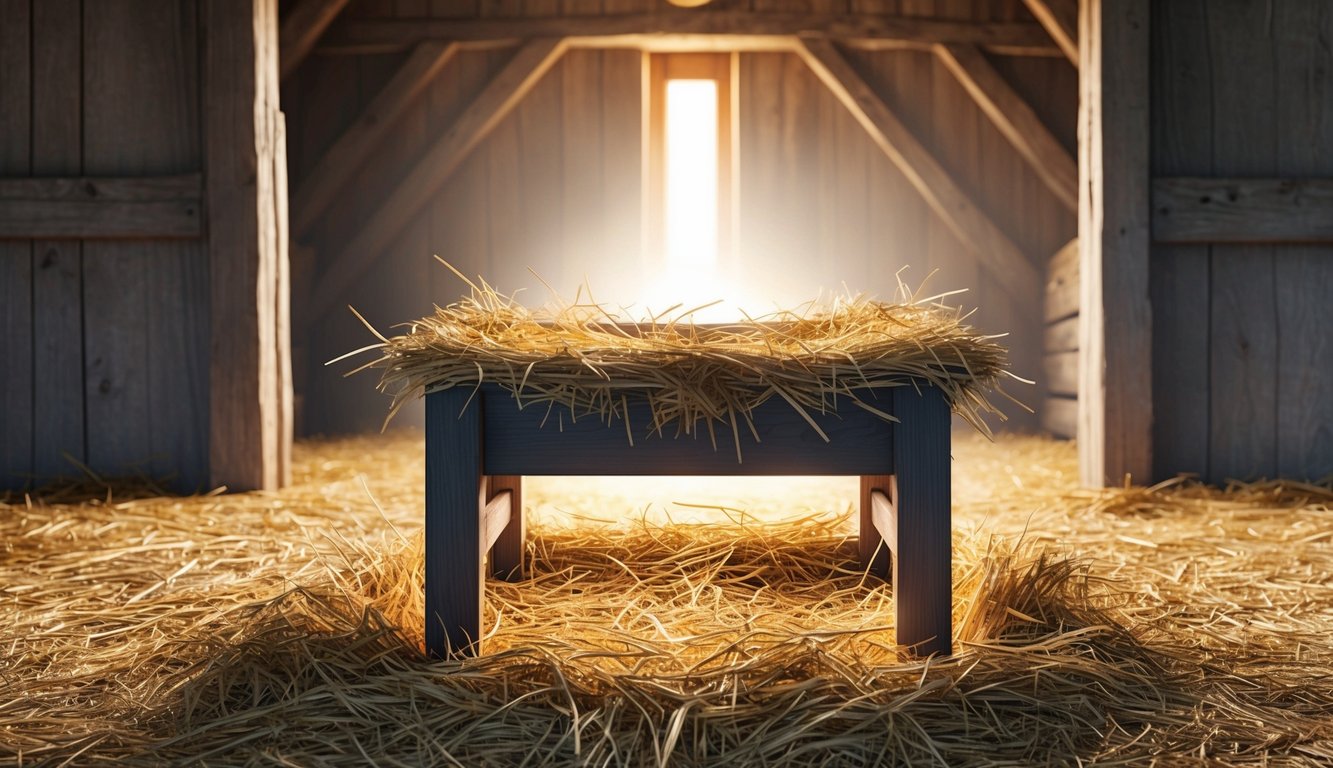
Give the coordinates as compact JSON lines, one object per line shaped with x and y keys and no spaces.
{"x":435,"y":166}
{"x":301,"y":30}
{"x":1060,"y":18}
{"x":1003,"y":259}
{"x":355,"y":146}
{"x":1014,"y":117}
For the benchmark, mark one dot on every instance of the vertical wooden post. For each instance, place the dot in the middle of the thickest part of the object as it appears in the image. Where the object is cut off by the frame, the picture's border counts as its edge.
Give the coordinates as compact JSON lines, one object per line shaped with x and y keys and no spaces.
{"x":923,"y":558}
{"x":874,"y":554}
{"x":246,"y":433}
{"x":507,"y":552}
{"x":1115,"y":320}
{"x":455,"y":542}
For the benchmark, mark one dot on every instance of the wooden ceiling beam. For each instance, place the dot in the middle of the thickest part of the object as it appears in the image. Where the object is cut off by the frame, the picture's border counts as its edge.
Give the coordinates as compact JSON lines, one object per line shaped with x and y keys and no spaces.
{"x":1014,"y":117}
{"x":853,"y":29}
{"x":301,"y":30}
{"x":355,"y":146}
{"x":1060,"y":18}
{"x":1002,"y":258}
{"x":434,"y":168}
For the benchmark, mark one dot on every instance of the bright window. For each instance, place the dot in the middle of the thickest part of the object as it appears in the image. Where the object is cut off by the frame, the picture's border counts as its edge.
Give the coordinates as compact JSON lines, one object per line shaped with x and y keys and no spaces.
{"x":689,"y":175}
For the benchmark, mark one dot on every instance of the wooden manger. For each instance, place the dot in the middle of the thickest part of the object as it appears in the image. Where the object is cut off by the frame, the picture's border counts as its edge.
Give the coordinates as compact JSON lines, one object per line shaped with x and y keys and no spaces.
{"x":480,"y":444}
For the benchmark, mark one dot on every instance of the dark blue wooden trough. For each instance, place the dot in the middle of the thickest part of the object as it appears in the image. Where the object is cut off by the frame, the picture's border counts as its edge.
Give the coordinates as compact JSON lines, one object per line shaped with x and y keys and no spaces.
{"x":480,"y":444}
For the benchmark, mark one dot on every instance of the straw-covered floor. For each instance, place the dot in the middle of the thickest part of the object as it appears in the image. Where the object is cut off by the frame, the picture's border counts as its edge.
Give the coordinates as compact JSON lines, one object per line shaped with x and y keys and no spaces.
{"x":1179,"y":624}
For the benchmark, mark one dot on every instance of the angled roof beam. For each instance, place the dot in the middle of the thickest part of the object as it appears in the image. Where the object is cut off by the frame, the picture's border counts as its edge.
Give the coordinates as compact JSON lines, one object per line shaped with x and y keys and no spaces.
{"x":1002,"y":258}
{"x":1015,"y":119}
{"x":435,"y":166}
{"x":302,"y":28}
{"x":1060,"y":18}
{"x":355,"y":146}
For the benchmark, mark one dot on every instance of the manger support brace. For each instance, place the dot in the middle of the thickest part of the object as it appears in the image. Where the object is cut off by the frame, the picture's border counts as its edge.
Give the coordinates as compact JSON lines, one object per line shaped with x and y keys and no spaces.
{"x":904,"y":470}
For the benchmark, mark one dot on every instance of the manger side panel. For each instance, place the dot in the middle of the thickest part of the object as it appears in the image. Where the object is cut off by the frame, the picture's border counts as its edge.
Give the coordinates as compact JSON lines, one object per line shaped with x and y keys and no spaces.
{"x":517,"y":443}
{"x":922,"y":564}
{"x":453,"y":523}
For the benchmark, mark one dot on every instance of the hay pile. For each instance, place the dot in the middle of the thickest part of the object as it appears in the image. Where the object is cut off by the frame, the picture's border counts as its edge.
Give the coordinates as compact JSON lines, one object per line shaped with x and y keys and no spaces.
{"x":581,"y":357}
{"x":1115,"y":627}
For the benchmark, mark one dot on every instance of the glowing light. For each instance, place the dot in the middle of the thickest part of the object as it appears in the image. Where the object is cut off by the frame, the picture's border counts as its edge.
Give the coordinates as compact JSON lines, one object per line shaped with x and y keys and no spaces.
{"x":691,"y":174}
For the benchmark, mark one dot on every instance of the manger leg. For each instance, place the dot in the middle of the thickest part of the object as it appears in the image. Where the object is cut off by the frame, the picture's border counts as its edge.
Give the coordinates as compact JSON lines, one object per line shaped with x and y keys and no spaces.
{"x":922,"y":559}
{"x":874,"y":554}
{"x":454,"y":536}
{"x":507,"y":552}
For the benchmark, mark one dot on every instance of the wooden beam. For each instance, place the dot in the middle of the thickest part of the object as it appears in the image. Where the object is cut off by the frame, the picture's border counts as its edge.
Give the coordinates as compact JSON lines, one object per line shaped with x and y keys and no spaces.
{"x":1062,"y":291}
{"x":162,"y":207}
{"x":303,"y":27}
{"x":435,"y":167}
{"x":1212,"y":210}
{"x":1060,"y":18}
{"x":1005,"y":262}
{"x":240,"y":80}
{"x":881,"y":513}
{"x":404,"y":33}
{"x":331,"y":174}
{"x":1014,"y":118}
{"x":700,"y":43}
{"x":1115,"y":318}
{"x":495,"y":518}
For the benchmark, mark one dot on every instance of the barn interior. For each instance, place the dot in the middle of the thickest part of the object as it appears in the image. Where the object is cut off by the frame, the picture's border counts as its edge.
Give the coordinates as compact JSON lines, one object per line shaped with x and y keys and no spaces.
{"x":212,"y":554}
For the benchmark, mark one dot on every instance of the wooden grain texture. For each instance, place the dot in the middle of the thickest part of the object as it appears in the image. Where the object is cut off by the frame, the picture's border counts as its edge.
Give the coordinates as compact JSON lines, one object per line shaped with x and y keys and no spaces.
{"x":584,"y":236}
{"x":282,"y":309}
{"x":1243,"y":338}
{"x":1015,"y":119}
{"x":495,"y":517}
{"x":145,"y":303}
{"x":507,"y":551}
{"x":240,"y":80}
{"x":1007,"y":263}
{"x":1304,"y":273}
{"x":922,"y":562}
{"x":1181,"y":144}
{"x":388,"y":33}
{"x":96,"y":219}
{"x":870,"y":544}
{"x":434,"y":168}
{"x":1243,"y":210}
{"x":1115,"y":319}
{"x":532,"y":442}
{"x":302,"y":29}
{"x":1062,"y":284}
{"x":373,"y":126}
{"x":16,"y":382}
{"x":1060,"y":19}
{"x":454,"y":545}
{"x":1060,"y":373}
{"x":57,"y":268}
{"x":1061,"y":336}
{"x":622,"y":167}
{"x":1059,"y":416}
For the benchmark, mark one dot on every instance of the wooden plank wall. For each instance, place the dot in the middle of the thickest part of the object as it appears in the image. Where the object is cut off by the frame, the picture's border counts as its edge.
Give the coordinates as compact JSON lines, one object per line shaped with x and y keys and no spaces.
{"x":1059,"y":409}
{"x":1242,"y":353}
{"x":105,"y":342}
{"x":557,"y":185}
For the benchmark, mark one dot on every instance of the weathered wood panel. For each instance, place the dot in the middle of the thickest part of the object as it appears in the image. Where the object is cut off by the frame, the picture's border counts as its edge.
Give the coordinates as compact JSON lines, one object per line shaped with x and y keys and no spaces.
{"x":241,"y":81}
{"x":143,"y":208}
{"x":1059,"y":416}
{"x":1062,"y":285}
{"x":16,"y":383}
{"x":145,"y":303}
{"x":1115,"y":345}
{"x":1182,"y":143}
{"x":1303,"y":274}
{"x":1243,"y":210}
{"x":1243,"y":333}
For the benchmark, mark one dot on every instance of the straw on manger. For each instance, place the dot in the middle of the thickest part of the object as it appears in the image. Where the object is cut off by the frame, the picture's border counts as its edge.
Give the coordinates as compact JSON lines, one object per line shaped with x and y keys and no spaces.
{"x":584,"y":359}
